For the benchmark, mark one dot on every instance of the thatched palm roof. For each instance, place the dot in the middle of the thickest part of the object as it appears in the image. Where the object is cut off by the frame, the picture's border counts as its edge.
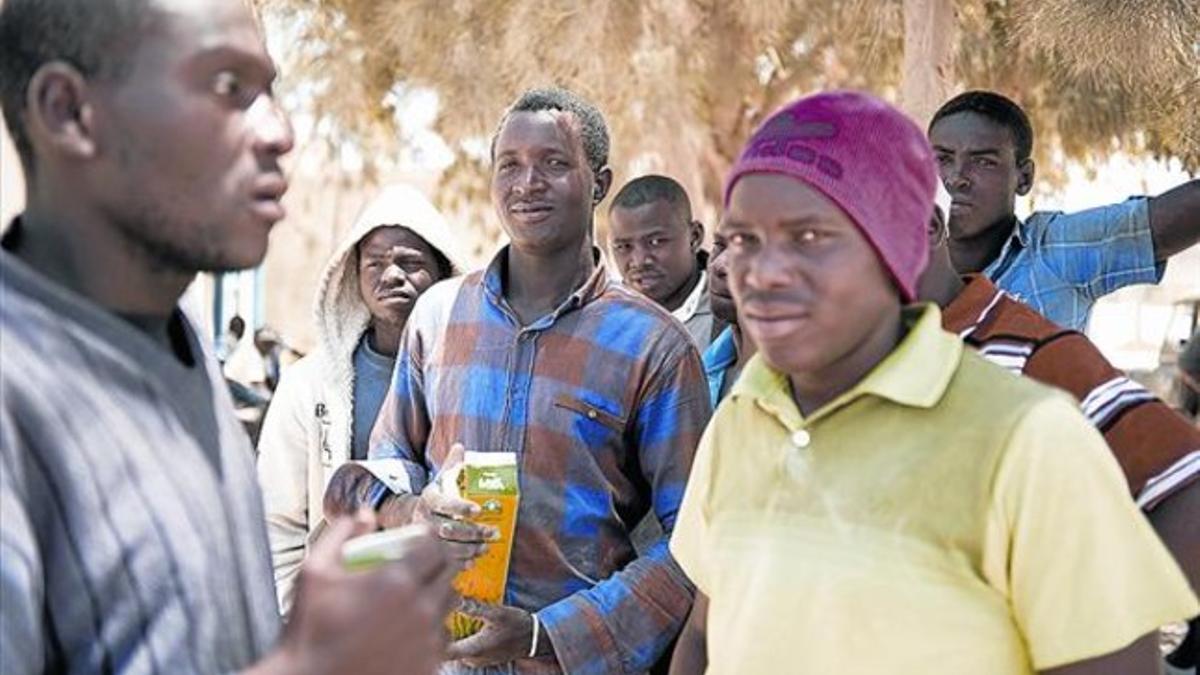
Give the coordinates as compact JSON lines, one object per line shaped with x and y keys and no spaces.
{"x":683,"y":81}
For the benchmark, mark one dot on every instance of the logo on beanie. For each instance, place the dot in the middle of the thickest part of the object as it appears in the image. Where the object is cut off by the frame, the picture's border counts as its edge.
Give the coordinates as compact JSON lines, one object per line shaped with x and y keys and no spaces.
{"x":785,"y":136}
{"x":786,"y":125}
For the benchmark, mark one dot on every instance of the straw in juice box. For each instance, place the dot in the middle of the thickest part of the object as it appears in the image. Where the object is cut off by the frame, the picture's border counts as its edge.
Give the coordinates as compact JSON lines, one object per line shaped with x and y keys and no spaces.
{"x":490,"y":480}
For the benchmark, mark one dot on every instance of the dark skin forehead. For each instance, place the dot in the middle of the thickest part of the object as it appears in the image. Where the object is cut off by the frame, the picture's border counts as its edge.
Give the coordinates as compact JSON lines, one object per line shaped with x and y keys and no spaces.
{"x":382,"y":240}
{"x":646,"y":219}
{"x":204,"y":34}
{"x":540,"y":131}
{"x":972,"y":133}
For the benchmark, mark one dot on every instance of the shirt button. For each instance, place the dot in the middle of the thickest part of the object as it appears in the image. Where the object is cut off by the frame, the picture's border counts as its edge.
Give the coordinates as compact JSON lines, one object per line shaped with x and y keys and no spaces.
{"x":591,"y":414}
{"x":801,"y":438}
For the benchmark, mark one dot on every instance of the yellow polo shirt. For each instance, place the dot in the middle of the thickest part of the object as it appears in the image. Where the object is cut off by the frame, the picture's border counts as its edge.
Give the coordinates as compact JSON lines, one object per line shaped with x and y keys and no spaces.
{"x":944,"y":516}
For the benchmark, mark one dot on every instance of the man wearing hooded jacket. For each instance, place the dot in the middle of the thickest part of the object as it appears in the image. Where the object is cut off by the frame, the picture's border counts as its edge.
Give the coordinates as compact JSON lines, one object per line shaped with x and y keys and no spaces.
{"x":326,"y":404}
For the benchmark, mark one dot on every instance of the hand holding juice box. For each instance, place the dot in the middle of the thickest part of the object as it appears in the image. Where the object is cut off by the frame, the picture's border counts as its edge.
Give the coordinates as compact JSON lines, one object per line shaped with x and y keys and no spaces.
{"x":488,"y":479}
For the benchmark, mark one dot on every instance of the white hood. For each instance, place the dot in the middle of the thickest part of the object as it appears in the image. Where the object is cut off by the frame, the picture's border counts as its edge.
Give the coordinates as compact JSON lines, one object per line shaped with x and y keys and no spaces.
{"x":341,"y":314}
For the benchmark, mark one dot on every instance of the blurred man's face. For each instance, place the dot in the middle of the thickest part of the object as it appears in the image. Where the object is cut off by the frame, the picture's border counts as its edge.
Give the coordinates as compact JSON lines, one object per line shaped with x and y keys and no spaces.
{"x":809,"y":288}
{"x":931,"y":280}
{"x":191,"y":139}
{"x":654,"y":246}
{"x":978,"y":164}
{"x":719,"y":293}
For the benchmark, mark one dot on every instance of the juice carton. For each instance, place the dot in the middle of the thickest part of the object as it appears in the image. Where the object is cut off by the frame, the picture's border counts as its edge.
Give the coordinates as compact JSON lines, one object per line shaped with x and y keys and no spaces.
{"x":490,"y":480}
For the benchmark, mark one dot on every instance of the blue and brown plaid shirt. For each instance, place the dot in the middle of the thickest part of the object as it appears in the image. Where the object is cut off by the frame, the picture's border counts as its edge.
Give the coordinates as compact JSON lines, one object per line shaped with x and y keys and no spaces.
{"x":604,"y":401}
{"x":1061,"y":263}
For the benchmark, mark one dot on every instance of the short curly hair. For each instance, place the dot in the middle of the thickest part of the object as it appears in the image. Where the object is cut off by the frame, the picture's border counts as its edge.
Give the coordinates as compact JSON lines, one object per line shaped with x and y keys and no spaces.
{"x":654,"y":188}
{"x":997,"y":108}
{"x":592,"y":129}
{"x":98,"y":37}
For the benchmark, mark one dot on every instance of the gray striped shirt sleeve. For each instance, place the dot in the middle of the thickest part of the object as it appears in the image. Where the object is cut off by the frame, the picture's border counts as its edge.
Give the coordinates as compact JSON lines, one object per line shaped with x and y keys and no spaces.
{"x":21,"y":590}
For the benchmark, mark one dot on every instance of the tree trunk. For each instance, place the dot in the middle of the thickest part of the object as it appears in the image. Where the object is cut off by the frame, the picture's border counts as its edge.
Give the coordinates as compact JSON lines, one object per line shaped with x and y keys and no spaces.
{"x":930,"y":40}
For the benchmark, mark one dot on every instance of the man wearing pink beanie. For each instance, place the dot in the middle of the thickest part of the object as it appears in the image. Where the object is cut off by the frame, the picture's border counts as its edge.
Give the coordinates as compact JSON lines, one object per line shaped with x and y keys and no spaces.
{"x":871,"y":497}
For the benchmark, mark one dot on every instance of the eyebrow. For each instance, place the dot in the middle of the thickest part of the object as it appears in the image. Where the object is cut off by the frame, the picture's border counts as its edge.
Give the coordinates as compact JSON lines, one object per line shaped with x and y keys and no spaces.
{"x":258,"y":60}
{"x":379,"y":250}
{"x":658,"y":231}
{"x":973,"y":153}
{"x":803,"y":221}
{"x":542,"y":150}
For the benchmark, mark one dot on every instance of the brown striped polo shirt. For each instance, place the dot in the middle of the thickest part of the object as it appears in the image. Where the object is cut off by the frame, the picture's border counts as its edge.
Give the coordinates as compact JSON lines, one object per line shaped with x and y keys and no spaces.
{"x":1157,"y":448}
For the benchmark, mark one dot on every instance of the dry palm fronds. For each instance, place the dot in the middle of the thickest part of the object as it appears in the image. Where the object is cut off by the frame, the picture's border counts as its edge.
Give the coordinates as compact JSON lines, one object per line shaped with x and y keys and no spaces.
{"x":682,"y":82}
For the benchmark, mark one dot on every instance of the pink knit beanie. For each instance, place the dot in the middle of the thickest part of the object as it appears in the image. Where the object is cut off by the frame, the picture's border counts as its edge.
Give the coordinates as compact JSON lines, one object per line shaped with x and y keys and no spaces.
{"x":866,"y":156}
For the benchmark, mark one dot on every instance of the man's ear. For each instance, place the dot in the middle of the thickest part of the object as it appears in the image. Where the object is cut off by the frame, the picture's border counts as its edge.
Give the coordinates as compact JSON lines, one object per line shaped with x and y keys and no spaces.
{"x":695,"y":235}
{"x":601,"y":185}
{"x":59,"y":112}
{"x":939,"y":233}
{"x":1025,"y":173}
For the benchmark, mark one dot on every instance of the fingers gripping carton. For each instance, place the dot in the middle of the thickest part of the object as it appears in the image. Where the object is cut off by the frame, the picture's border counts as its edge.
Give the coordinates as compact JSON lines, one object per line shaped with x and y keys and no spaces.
{"x":490,"y":480}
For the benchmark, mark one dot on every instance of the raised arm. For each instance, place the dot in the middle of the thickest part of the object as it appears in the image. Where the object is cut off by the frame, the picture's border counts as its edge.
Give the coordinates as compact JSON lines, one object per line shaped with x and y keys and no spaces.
{"x":1175,"y":219}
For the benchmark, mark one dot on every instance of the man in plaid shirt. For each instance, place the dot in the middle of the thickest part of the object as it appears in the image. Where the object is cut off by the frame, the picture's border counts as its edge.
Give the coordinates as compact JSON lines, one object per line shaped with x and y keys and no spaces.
{"x":598,"y":391}
{"x":1058,"y":263}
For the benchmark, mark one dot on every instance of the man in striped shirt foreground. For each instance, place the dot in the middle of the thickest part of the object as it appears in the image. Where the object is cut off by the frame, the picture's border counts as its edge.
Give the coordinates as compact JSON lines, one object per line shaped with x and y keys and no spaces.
{"x":595,"y":388}
{"x":132,"y":536}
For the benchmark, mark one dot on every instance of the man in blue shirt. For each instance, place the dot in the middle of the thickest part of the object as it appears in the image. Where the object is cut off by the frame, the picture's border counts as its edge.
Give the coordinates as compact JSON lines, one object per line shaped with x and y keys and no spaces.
{"x":731,"y":349}
{"x":595,"y":389}
{"x":1058,"y":263}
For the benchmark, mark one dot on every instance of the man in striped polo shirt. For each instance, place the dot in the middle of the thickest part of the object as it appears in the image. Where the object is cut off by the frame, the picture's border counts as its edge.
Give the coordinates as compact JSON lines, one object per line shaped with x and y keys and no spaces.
{"x":131,"y":529}
{"x":593,"y":386}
